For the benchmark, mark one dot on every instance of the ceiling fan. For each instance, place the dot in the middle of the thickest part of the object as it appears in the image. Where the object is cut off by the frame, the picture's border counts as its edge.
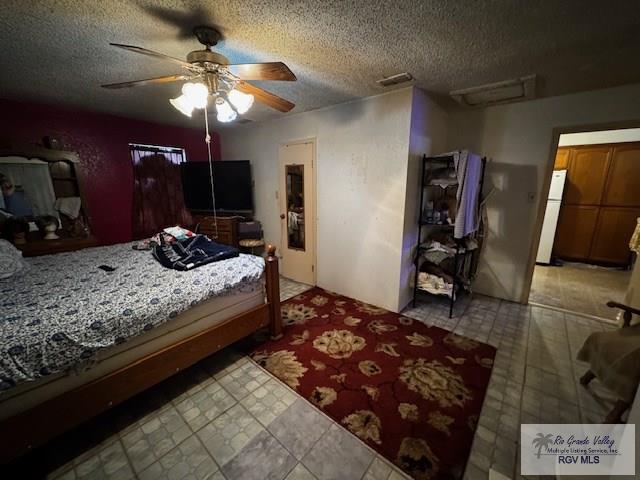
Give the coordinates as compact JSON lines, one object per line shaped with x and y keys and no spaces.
{"x":210,"y":73}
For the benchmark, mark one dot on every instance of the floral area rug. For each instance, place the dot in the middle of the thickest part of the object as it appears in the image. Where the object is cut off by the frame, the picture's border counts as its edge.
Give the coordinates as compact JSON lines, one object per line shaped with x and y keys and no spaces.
{"x":412,"y":392}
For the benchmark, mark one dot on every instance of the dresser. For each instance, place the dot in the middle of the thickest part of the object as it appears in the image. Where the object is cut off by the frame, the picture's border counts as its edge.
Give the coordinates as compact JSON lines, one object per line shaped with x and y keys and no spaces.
{"x":227,"y":228}
{"x":36,"y":247}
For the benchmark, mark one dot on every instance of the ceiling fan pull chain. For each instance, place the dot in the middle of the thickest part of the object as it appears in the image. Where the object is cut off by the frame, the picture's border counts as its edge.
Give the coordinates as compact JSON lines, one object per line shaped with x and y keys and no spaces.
{"x":207,"y":140}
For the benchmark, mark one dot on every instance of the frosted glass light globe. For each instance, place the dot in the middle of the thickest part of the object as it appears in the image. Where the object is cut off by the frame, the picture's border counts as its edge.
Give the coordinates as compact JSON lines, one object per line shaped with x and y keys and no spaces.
{"x":225,"y":112}
{"x":182,"y":104}
{"x":242,"y":101}
{"x":197,"y":93}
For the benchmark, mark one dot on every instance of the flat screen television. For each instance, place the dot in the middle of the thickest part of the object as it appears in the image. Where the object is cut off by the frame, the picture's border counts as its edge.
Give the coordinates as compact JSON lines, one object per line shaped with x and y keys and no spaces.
{"x":231,"y":181}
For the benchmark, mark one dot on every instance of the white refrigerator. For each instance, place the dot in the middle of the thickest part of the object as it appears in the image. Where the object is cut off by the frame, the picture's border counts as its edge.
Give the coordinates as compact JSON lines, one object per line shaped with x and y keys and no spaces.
{"x":551,"y":214}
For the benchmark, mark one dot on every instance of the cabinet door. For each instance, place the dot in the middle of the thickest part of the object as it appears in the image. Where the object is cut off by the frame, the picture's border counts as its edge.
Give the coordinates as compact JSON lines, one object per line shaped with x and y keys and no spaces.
{"x":623,"y":181}
{"x":587,"y":175}
{"x":613,"y":232}
{"x":562,"y":159}
{"x":574,"y":233}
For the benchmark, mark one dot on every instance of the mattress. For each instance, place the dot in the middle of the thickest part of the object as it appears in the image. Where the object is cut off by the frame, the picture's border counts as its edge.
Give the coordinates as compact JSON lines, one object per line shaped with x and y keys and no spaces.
{"x":205,"y":315}
{"x":64,"y":311}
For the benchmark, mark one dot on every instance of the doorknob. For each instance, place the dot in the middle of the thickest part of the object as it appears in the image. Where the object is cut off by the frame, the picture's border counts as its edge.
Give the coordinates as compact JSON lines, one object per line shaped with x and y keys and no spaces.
{"x":282,"y":216}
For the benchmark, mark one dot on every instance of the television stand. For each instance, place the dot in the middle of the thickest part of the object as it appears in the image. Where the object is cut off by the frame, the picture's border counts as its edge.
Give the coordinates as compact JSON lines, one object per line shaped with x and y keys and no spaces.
{"x":242,"y":215}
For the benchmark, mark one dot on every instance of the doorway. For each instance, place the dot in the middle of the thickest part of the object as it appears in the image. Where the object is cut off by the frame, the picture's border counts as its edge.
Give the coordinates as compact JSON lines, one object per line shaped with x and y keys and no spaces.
{"x":298,"y":211}
{"x":583,"y":258}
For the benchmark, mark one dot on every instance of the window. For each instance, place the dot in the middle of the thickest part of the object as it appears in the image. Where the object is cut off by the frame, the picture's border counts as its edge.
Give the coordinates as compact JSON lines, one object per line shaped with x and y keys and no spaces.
{"x":175,"y":155}
{"x":158,"y":198}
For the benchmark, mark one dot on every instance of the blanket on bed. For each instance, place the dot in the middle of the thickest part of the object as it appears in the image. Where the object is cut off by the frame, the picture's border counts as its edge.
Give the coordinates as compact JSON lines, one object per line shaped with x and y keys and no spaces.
{"x":58,"y":314}
{"x":192,"y":253}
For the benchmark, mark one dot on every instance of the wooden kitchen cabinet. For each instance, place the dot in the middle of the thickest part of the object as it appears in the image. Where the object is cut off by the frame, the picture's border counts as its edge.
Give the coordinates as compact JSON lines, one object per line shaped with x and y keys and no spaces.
{"x":562,"y":159}
{"x":574,"y":233}
{"x":587,"y":175}
{"x":623,"y":182}
{"x":601,"y":202}
{"x":613,"y":231}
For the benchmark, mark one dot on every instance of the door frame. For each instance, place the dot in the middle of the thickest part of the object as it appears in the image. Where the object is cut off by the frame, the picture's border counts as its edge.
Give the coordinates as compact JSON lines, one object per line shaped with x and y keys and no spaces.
{"x":314,"y":214}
{"x":553,"y":147}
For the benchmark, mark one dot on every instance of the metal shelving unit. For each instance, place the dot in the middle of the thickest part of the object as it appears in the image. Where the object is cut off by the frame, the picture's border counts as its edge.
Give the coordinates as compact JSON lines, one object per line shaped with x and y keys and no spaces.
{"x":462,"y":256}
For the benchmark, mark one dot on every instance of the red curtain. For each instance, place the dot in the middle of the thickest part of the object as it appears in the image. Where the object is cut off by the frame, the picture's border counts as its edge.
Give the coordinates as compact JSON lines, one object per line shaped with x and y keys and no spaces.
{"x":158,"y":201}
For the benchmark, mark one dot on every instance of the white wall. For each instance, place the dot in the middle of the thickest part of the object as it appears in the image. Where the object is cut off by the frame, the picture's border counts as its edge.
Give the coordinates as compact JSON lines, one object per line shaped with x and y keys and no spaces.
{"x":427,"y":136}
{"x":361,"y":171}
{"x":517,"y":138}
{"x":603,"y":136}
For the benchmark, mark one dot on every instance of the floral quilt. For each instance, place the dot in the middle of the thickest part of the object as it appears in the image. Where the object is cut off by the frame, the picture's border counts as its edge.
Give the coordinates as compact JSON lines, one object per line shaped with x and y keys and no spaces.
{"x":64,"y":309}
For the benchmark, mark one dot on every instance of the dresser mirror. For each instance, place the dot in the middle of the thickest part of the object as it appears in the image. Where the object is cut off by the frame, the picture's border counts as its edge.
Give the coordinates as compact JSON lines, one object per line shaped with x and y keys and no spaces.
{"x":41,"y":197}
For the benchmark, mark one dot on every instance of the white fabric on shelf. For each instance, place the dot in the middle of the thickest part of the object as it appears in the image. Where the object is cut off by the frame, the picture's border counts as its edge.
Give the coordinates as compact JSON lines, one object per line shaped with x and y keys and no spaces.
{"x":434,"y":284}
{"x":70,"y":206}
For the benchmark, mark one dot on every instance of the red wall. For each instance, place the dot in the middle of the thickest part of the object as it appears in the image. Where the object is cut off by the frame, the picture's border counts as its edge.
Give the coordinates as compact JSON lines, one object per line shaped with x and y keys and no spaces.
{"x":102,"y":142}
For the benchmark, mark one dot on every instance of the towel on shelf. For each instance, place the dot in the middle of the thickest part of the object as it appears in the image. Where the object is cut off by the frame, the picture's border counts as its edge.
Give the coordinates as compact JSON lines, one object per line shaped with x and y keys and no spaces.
{"x":69,"y":206}
{"x":469,"y":169}
{"x":468,"y":197}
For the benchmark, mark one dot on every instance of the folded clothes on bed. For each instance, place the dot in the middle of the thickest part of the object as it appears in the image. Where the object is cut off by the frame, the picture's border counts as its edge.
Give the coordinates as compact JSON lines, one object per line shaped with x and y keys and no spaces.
{"x":192,"y":253}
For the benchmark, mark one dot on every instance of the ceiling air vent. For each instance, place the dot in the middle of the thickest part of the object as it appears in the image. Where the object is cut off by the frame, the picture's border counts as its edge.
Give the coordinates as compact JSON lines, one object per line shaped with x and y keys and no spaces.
{"x":395,"y":79}
{"x":522,"y":88}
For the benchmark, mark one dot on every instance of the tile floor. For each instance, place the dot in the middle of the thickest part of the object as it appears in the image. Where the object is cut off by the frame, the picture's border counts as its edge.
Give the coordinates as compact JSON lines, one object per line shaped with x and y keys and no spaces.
{"x":580,"y":288}
{"x":225,"y":418}
{"x":535,"y":374}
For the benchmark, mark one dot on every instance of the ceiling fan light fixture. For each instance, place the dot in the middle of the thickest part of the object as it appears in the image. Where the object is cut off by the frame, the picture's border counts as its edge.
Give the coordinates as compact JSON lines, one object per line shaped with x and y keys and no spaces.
{"x":182,"y":104}
{"x":240,"y":100}
{"x":226,"y":114}
{"x":196,"y":93}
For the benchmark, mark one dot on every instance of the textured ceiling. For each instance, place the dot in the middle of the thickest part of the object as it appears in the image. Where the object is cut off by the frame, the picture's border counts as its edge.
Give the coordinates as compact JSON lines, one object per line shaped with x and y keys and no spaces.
{"x":58,"y":51}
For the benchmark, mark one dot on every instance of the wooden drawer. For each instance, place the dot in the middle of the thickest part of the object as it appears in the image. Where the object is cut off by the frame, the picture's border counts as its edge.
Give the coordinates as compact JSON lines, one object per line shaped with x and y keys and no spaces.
{"x":227,"y":231}
{"x":34,"y":248}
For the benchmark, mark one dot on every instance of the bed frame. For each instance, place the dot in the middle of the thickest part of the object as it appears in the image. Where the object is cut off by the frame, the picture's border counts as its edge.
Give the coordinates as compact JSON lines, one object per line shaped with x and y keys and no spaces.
{"x":31,"y":428}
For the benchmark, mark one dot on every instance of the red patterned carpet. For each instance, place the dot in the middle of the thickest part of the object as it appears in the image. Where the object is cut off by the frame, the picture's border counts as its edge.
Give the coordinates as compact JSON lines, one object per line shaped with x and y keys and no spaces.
{"x":412,"y":392}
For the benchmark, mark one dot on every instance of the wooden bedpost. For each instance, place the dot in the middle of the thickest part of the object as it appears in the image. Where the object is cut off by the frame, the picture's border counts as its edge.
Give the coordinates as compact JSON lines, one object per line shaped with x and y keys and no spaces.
{"x":273,"y":293}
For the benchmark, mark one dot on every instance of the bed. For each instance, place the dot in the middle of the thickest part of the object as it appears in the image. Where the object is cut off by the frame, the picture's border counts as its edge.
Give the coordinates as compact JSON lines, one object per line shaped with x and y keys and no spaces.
{"x":78,"y":339}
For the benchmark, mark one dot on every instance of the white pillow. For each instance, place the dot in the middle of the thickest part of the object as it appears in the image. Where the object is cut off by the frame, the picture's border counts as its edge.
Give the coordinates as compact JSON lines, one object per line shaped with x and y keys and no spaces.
{"x":11,"y":261}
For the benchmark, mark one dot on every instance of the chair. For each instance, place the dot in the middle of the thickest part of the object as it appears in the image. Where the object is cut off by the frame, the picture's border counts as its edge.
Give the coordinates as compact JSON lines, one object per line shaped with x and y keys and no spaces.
{"x":614,"y":357}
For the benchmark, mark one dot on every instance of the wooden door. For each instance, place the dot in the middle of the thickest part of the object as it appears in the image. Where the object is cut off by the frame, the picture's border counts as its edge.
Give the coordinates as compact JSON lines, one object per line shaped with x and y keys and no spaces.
{"x":562,"y":158}
{"x":574,"y":233}
{"x":612,"y":234}
{"x":297,"y":212}
{"x":623,"y":182}
{"x":587,"y":175}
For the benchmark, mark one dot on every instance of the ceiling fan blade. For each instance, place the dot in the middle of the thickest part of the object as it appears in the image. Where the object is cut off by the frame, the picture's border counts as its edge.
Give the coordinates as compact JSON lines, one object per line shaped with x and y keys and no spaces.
{"x":268,"y":98}
{"x":151,"y":53}
{"x":262,"y":71}
{"x":147,"y":81}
